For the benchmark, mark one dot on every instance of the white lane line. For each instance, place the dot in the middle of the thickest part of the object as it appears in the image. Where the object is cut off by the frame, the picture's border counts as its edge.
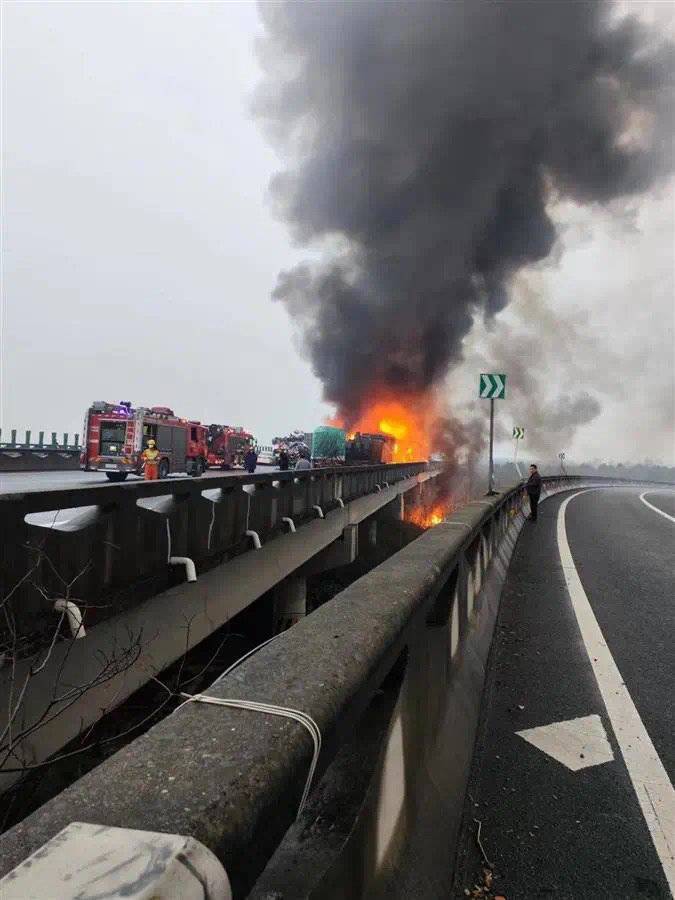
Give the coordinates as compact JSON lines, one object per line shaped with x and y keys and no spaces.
{"x":655,"y":508}
{"x":650,"y":780}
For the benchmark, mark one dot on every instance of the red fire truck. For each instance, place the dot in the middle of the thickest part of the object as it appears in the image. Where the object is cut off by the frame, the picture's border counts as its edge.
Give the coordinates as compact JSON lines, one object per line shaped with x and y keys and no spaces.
{"x":115,"y":435}
{"x":227,"y":445}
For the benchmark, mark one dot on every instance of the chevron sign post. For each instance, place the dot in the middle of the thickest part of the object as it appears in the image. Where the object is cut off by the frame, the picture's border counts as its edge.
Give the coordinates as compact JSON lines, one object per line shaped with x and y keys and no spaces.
{"x":492,"y":387}
{"x":518,"y":435}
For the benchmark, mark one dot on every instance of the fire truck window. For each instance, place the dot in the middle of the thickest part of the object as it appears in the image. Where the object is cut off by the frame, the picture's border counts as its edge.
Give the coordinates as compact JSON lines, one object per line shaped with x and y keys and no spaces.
{"x":112,"y":438}
{"x":164,"y":437}
{"x":149,"y":431}
{"x":193,"y":434}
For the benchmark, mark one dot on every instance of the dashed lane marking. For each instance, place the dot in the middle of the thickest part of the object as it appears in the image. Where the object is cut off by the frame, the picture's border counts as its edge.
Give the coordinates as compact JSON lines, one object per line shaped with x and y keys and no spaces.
{"x":650,"y":780}
{"x":655,"y":508}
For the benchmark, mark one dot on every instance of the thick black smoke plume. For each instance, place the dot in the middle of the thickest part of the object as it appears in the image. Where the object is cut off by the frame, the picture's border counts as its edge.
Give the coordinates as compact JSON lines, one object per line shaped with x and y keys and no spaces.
{"x":425,"y":141}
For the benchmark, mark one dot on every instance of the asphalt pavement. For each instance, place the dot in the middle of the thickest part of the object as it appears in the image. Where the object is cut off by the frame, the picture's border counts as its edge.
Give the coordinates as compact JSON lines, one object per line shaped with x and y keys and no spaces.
{"x":13,"y":482}
{"x":575,"y":755}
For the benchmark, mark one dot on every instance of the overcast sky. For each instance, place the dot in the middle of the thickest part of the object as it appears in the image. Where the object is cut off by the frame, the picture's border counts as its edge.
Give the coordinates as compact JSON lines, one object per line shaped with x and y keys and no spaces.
{"x":140,"y":251}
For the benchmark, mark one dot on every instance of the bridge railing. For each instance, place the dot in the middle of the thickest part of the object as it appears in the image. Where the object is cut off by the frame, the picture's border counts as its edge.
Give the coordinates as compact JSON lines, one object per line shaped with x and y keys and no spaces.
{"x":234,"y":778}
{"x":99,"y":541}
{"x":27,"y":444}
{"x":23,"y":454}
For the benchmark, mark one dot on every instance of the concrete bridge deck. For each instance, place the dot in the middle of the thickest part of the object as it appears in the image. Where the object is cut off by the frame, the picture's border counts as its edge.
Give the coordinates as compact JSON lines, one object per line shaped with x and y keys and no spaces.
{"x":575,"y":756}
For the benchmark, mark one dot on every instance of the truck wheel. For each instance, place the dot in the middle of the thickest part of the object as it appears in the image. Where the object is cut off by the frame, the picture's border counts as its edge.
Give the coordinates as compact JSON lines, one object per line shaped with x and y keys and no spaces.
{"x":198,"y":468}
{"x":116,"y":476}
{"x":164,"y":468}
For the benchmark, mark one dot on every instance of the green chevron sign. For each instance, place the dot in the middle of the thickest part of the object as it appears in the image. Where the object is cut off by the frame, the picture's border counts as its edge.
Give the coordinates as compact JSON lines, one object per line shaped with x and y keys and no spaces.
{"x":518,"y":433}
{"x":492,"y":387}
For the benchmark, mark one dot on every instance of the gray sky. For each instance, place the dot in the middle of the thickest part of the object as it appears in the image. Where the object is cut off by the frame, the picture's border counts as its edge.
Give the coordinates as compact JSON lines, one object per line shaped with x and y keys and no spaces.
{"x":140,"y":252}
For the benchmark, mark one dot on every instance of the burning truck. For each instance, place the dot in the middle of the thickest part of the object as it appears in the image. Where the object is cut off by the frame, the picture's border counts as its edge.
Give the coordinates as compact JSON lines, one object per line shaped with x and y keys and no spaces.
{"x":332,"y":446}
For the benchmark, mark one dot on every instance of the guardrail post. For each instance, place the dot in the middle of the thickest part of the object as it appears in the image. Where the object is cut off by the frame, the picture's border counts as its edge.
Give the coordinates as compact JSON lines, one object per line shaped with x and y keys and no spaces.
{"x":13,"y":438}
{"x":53,"y":439}
{"x":41,"y":439}
{"x":76,"y":442}
{"x":65,"y":439}
{"x":27,"y":443}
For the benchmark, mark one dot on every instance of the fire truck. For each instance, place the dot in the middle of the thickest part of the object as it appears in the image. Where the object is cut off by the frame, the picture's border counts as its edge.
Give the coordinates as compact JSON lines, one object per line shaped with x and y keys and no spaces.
{"x":227,"y":446}
{"x":115,"y":435}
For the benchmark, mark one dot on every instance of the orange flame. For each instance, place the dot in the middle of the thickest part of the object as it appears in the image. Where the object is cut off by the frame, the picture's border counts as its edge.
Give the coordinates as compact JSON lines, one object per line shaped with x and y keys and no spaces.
{"x":428,"y":518}
{"x":408,"y":421}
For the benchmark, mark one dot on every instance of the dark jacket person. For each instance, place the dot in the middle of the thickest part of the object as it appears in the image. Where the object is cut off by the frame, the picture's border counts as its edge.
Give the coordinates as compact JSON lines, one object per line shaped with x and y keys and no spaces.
{"x":250,"y":460}
{"x":533,"y":488}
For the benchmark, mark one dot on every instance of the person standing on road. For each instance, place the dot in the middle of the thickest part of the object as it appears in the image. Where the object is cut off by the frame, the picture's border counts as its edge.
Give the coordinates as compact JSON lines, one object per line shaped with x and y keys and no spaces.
{"x":250,"y":460}
{"x":533,"y":488}
{"x":303,"y":463}
{"x":284,"y":460}
{"x":150,"y":457}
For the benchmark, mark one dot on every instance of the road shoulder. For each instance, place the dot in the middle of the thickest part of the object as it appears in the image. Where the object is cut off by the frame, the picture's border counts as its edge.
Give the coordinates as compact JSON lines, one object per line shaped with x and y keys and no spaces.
{"x":546,"y":829}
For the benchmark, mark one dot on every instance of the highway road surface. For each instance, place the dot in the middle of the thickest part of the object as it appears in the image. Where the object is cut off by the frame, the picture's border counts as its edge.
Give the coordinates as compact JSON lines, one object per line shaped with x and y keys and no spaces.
{"x":12,"y":482}
{"x":575,"y":756}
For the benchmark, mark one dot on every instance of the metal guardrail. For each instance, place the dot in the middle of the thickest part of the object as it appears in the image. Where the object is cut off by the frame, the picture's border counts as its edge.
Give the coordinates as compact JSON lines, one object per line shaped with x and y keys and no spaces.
{"x":103,"y":539}
{"x":233,"y":778}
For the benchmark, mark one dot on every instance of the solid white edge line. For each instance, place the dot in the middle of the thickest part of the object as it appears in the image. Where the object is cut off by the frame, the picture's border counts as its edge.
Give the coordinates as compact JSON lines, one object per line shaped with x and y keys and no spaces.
{"x":655,"y":508}
{"x":650,"y":780}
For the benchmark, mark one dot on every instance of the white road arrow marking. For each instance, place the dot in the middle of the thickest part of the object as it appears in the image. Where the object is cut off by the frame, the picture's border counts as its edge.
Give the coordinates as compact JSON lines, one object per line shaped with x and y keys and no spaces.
{"x":576,"y":743}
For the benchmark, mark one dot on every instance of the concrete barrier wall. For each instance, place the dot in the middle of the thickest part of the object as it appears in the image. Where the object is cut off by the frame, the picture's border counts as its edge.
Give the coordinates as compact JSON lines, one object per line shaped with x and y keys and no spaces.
{"x":233,"y":778}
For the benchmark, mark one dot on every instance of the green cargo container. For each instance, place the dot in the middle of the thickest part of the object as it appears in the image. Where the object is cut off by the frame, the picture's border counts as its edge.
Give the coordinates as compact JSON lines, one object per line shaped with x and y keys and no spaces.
{"x":328,"y":445}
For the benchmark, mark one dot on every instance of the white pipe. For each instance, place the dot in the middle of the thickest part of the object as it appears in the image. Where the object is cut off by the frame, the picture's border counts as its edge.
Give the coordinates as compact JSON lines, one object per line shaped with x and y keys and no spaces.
{"x":291,"y":523}
{"x":341,"y":502}
{"x":73,"y":615}
{"x":256,"y":538}
{"x":190,"y":570}
{"x":378,"y":487}
{"x":213,"y":519}
{"x":319,"y":510}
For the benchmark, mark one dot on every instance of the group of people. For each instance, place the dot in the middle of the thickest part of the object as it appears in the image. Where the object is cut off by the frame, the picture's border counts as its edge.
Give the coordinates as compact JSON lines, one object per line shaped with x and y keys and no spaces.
{"x":302,"y":461}
{"x":251,"y":461}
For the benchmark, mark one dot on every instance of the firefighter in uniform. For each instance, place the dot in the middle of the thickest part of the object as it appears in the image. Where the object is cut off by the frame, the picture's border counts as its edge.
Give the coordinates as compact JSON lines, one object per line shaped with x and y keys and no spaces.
{"x":150,"y":457}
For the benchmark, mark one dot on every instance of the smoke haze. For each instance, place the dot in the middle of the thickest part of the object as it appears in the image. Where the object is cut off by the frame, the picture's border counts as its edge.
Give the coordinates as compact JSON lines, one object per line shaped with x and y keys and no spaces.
{"x":426,"y":143}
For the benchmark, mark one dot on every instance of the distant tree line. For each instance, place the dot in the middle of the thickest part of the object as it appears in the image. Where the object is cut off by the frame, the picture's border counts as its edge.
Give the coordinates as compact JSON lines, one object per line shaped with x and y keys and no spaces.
{"x":644,"y":471}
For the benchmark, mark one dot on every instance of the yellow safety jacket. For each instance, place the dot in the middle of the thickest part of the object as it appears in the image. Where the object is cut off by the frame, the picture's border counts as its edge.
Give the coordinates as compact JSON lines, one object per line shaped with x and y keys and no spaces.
{"x":150,"y":456}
